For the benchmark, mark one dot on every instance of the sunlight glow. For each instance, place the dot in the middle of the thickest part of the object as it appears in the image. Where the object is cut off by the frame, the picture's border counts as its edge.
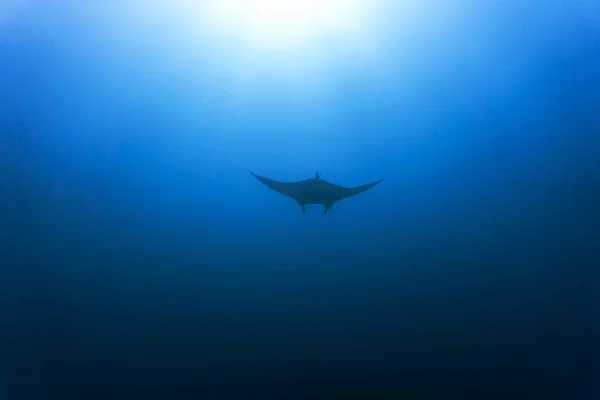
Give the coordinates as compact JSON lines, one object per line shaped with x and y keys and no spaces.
{"x":261,"y":44}
{"x":287,"y":24}
{"x":293,"y":33}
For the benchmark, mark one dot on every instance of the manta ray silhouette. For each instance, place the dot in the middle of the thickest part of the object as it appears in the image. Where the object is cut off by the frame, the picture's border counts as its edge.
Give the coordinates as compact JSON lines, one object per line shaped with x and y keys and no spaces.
{"x":315,"y":191}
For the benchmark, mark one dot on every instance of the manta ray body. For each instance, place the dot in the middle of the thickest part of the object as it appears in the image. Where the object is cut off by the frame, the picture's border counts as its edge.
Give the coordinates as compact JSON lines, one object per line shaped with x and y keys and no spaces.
{"x":315,"y":190}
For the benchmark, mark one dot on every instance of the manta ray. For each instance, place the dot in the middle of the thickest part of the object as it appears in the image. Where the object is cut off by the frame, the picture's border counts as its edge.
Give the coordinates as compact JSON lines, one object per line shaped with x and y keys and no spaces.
{"x":315,"y":190}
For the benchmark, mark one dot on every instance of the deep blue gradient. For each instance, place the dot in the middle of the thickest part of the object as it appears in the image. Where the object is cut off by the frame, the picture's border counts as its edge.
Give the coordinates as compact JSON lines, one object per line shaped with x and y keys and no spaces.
{"x":140,"y":259}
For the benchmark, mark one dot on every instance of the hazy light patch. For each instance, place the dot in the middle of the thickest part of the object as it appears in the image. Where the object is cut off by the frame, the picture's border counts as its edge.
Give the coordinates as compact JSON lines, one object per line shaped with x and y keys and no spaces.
{"x":9,"y":9}
{"x":590,"y":12}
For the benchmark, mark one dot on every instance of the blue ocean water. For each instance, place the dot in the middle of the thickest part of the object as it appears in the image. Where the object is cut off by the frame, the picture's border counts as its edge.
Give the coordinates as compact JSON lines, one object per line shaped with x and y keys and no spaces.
{"x":140,"y":259}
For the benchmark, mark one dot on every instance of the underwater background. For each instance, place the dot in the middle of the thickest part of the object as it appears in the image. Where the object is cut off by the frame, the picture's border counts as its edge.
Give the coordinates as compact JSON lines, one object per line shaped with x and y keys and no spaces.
{"x":139,"y":258}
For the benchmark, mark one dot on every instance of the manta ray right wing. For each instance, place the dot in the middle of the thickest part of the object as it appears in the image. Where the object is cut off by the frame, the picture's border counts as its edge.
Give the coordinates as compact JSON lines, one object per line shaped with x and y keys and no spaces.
{"x":285,"y":188}
{"x":349,"y":192}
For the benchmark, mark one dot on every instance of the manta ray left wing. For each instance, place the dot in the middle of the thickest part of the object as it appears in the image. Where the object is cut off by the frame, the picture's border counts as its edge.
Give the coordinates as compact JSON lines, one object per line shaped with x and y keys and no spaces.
{"x":285,"y":188}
